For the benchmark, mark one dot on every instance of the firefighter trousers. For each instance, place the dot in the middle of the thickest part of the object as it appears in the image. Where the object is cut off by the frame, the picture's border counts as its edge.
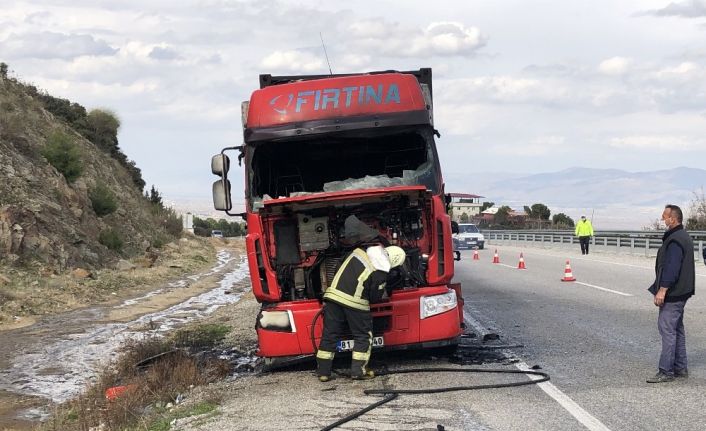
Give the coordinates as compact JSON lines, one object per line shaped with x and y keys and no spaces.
{"x":337,"y":319}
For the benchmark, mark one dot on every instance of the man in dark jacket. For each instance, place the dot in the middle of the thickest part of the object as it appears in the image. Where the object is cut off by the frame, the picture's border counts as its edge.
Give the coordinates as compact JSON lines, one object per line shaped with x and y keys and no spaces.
{"x":675,"y":276}
{"x":358,"y":282}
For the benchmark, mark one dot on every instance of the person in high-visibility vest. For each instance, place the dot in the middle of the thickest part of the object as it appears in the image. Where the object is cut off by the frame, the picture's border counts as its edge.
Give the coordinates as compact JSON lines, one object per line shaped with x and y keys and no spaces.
{"x":584,"y":230}
{"x":360,"y":280}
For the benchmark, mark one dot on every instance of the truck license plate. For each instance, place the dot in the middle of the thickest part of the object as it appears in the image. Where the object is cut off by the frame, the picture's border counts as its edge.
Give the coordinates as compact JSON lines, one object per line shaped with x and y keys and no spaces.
{"x":347,"y":345}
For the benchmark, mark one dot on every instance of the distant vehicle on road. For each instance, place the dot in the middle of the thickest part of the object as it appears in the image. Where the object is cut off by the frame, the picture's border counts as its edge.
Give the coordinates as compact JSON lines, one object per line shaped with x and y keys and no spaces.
{"x":469,"y":236}
{"x":217,"y":234}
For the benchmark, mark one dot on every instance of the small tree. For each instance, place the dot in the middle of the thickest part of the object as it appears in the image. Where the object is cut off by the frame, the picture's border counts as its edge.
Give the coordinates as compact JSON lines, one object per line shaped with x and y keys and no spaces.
{"x":561,"y":220}
{"x":539,"y":212}
{"x":155,"y":196}
{"x":62,"y":153}
{"x":697,"y":212}
{"x":502,"y":217}
{"x":172,"y":222}
{"x":3,"y":70}
{"x":464,"y":218}
{"x":102,"y":200}
{"x":102,"y":129}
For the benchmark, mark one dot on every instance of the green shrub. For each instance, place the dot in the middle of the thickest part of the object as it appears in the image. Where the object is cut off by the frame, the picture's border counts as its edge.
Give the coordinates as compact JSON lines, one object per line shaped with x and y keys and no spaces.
{"x":172,"y":222}
{"x":62,"y":153}
{"x":102,"y":200}
{"x":111,"y":239}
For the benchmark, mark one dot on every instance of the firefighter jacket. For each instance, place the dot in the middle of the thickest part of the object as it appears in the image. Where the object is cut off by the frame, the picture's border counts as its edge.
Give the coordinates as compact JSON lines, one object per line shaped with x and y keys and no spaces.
{"x":584,"y":228}
{"x":357,"y":283}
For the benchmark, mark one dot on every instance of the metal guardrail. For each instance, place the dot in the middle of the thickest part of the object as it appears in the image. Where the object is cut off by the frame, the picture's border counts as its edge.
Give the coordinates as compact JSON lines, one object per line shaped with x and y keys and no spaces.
{"x":634,"y":240}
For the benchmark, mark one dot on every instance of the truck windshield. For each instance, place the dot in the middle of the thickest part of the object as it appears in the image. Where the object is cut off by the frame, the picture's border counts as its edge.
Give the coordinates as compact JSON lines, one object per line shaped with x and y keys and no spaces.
{"x":467,"y":228}
{"x":351,"y":161}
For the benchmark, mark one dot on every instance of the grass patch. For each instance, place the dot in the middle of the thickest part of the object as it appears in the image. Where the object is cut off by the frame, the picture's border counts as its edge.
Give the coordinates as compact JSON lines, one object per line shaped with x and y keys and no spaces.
{"x":155,"y":372}
{"x":210,"y":334}
{"x":164,"y":423}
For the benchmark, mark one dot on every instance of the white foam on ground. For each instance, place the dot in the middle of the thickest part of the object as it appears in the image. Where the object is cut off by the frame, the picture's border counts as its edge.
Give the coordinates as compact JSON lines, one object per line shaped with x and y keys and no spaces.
{"x":61,"y":370}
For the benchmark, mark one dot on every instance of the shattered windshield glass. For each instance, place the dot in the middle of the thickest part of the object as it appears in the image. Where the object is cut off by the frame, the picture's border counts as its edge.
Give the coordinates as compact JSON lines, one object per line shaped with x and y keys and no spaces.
{"x":343,"y":162}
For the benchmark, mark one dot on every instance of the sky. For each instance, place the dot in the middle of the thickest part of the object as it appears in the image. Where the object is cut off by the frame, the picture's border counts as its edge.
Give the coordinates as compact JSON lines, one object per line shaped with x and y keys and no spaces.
{"x":519,"y":86}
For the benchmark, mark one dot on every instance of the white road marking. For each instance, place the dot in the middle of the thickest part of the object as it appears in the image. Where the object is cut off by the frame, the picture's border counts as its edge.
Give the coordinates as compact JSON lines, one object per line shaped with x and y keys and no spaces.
{"x":603,"y":288}
{"x":585,"y":418}
{"x":509,"y":266}
{"x":581,"y":415}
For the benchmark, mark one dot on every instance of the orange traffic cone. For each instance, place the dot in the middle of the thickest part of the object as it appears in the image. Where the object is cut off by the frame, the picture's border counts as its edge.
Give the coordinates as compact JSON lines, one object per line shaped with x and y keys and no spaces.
{"x":476,"y":256}
{"x":521,"y":265}
{"x":568,"y":275}
{"x":496,"y":258}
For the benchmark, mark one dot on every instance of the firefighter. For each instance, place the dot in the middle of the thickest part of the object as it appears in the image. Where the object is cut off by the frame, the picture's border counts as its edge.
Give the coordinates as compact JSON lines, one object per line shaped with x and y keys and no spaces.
{"x":359,"y":281}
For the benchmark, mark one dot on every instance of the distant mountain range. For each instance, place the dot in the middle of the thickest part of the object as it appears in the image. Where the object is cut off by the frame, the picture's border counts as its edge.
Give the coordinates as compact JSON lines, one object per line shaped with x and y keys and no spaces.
{"x":617,"y":199}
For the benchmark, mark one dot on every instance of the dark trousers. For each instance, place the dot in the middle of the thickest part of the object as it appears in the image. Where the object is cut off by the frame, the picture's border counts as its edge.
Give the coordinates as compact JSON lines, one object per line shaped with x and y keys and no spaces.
{"x":671,"y":327}
{"x":337,"y":320}
{"x":584,"y":240}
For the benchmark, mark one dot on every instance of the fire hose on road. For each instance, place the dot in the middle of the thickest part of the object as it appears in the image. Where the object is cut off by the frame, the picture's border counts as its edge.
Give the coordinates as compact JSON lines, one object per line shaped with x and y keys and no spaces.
{"x":392,"y":393}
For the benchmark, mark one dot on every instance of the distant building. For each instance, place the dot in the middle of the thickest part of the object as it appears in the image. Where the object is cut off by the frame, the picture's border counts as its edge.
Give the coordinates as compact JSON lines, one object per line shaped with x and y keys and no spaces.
{"x":464,"y":203}
{"x":188,"y":222}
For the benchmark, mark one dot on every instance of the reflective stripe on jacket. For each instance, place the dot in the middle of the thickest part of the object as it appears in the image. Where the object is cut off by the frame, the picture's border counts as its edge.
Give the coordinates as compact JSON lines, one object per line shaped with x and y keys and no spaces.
{"x":584,"y":228}
{"x":352,"y":284}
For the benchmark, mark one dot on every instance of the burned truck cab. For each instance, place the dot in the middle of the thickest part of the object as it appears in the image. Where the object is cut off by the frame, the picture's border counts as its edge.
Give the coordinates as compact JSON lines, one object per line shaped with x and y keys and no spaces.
{"x":332,"y":163}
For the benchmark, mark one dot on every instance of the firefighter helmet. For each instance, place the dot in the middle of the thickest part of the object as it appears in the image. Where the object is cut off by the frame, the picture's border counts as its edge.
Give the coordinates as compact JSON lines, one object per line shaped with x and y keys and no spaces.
{"x":396,"y":255}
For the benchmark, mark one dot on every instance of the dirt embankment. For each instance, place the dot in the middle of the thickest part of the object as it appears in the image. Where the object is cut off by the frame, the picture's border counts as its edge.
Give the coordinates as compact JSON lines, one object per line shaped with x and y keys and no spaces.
{"x":26,"y":296}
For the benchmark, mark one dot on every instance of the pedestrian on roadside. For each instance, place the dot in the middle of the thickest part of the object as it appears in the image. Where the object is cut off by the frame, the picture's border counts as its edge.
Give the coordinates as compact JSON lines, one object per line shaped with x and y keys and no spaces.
{"x":674,"y":284}
{"x":359,"y":281}
{"x":584,"y":230}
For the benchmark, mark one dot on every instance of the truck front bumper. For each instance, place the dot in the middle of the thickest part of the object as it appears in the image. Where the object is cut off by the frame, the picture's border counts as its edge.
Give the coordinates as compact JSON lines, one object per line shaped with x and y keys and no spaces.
{"x":397,"y":320}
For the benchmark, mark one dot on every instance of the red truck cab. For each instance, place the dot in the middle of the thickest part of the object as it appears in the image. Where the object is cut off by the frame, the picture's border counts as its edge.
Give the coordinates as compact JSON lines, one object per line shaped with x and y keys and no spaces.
{"x":335,"y":162}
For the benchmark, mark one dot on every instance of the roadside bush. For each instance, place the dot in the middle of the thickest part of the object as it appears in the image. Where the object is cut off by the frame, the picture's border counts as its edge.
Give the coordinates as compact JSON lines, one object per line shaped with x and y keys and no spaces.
{"x":62,"y":153}
{"x":111,"y":239}
{"x":155,"y":372}
{"x":172,"y":222}
{"x":102,"y":200}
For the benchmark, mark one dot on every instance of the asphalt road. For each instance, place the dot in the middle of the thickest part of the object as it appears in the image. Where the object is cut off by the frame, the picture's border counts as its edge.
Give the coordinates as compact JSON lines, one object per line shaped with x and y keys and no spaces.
{"x":596,"y":337}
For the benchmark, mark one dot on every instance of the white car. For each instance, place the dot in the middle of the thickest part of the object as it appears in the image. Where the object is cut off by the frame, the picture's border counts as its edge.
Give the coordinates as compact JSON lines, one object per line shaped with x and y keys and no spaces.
{"x":469,"y":236}
{"x":216,"y":234}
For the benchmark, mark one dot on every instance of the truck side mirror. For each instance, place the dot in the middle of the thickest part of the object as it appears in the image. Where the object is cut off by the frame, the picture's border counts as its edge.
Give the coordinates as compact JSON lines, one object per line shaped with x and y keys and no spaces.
{"x":454,"y":227}
{"x":220,"y":164}
{"x":221,"y":195}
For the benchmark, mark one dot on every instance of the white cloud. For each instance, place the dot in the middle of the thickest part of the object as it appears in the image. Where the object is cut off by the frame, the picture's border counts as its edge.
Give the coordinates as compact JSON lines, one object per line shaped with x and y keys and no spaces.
{"x":164,"y":53}
{"x":505,"y":90}
{"x":654,"y":143}
{"x":683,"y":9}
{"x":395,"y":40}
{"x":614,"y":66}
{"x":48,"y":45}
{"x":295,"y":61}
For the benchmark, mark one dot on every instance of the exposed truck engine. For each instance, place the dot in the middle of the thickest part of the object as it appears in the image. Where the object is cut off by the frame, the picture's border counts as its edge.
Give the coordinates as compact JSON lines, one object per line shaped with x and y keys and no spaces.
{"x":332,"y":163}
